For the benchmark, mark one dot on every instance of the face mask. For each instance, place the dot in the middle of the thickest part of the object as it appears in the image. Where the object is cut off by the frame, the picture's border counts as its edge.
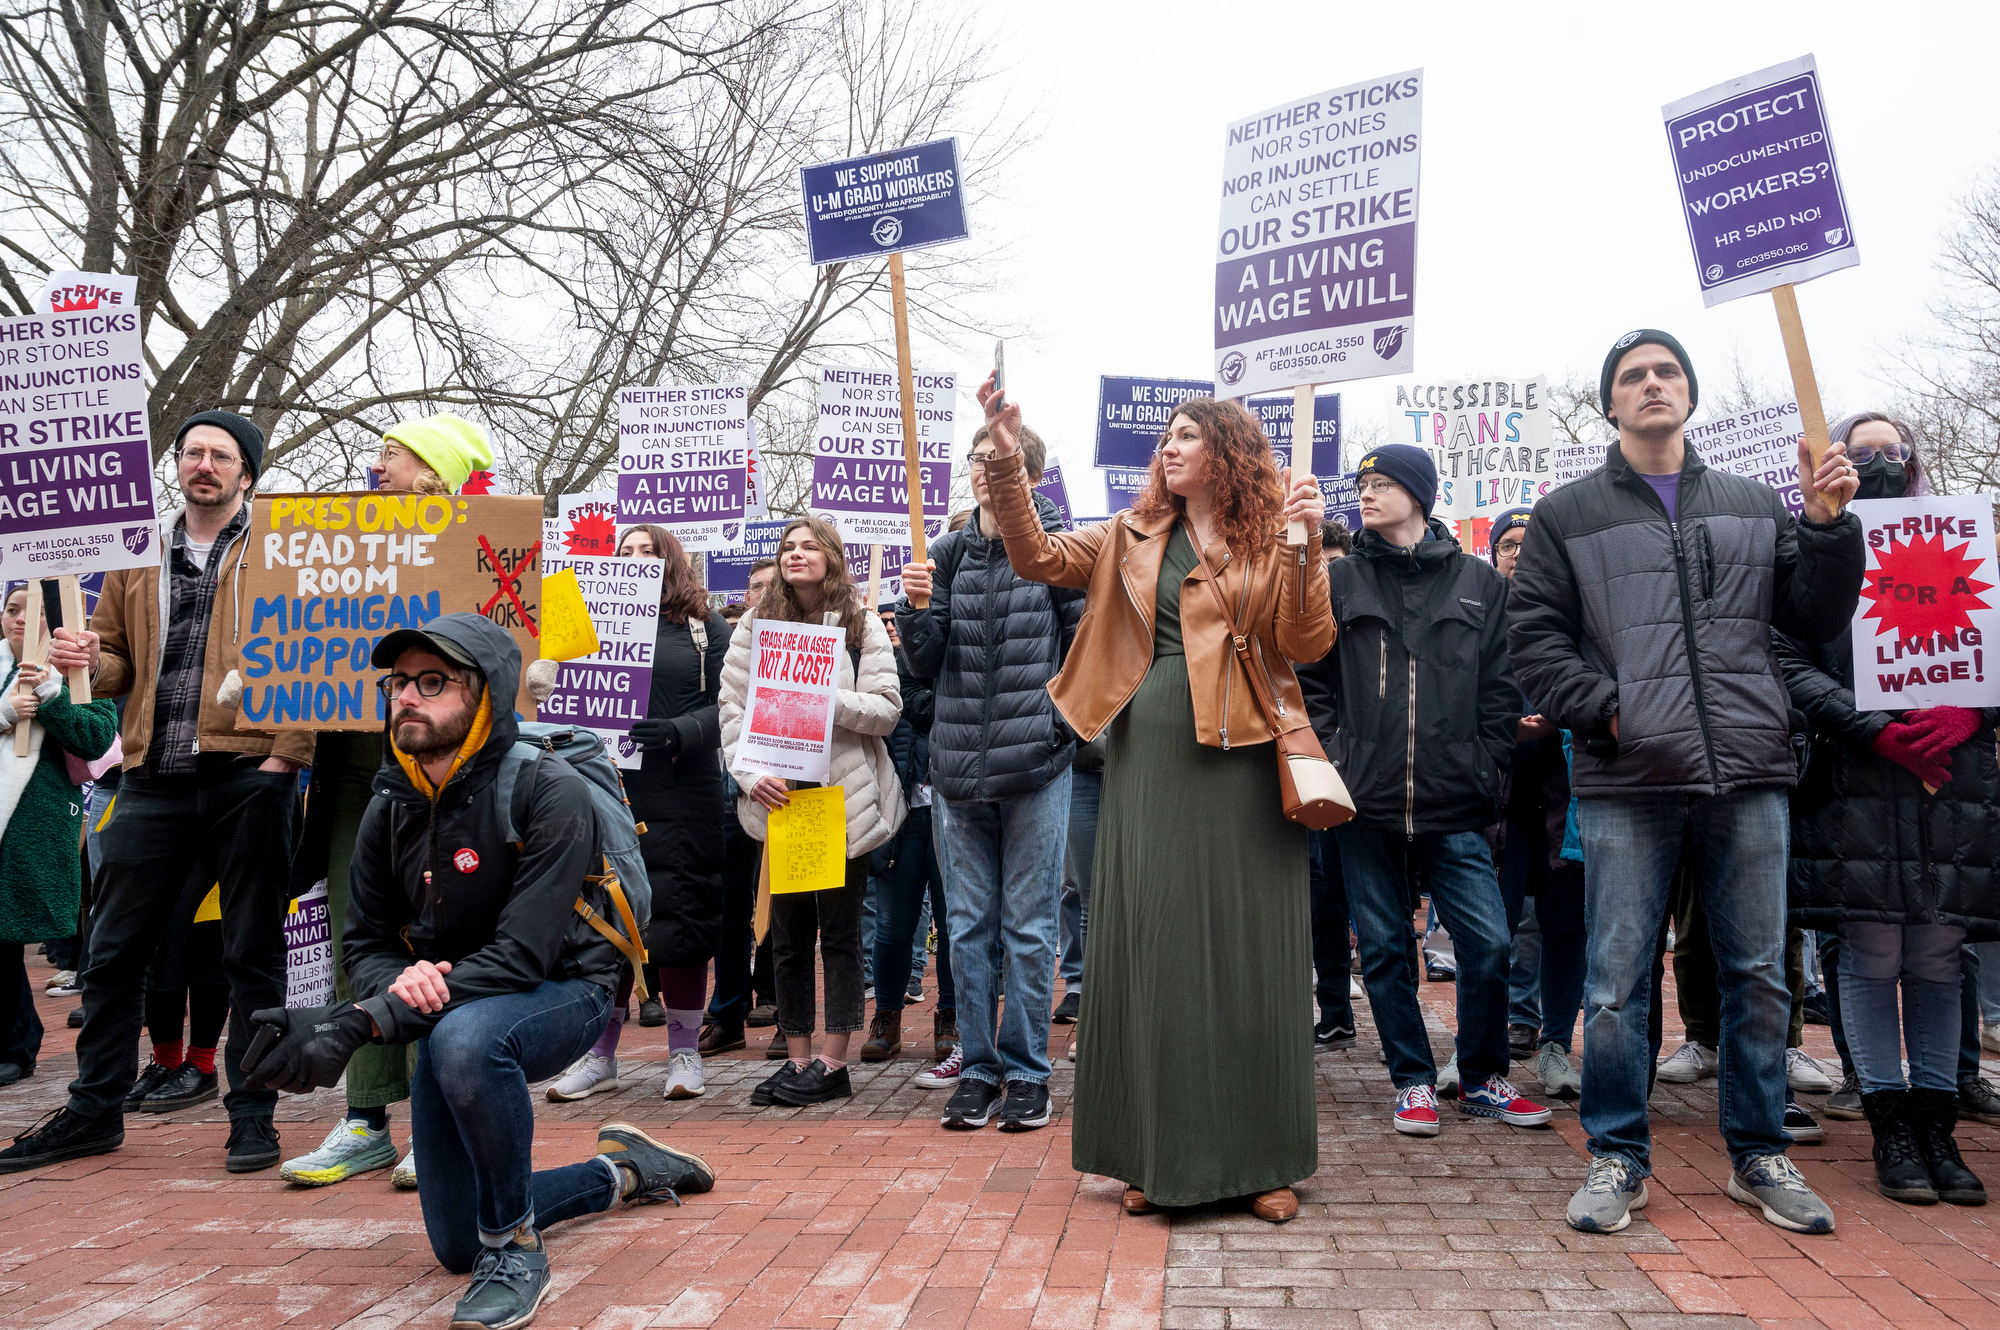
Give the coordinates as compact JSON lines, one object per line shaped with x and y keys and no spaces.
{"x":1882,"y":479}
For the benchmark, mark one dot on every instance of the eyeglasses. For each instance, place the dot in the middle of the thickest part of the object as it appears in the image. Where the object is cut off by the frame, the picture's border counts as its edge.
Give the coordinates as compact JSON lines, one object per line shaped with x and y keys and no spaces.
{"x":217,"y":459}
{"x":1508,"y":547}
{"x":1374,"y":485}
{"x":429,"y":683}
{"x":1861,"y":454}
{"x":978,"y":461}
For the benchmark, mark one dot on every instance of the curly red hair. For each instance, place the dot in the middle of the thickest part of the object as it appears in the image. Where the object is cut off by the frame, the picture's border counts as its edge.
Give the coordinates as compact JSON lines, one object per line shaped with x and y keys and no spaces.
{"x":1238,"y":467}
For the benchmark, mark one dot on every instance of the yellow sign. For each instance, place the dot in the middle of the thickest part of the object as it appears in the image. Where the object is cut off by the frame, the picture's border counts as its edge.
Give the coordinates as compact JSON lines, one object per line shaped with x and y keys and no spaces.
{"x":567,"y":632}
{"x":808,"y":842}
{"x":210,"y":909}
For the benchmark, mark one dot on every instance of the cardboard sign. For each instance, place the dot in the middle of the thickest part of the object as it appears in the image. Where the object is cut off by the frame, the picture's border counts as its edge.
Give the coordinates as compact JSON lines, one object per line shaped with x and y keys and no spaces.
{"x":788,"y":715}
{"x":76,"y":461}
{"x":1274,"y":413}
{"x":1928,"y":604}
{"x":1054,"y":490}
{"x":808,"y":841}
{"x":884,"y":203}
{"x":330,"y":575}
{"x":1761,"y":444}
{"x":1490,"y":438}
{"x":308,"y":949}
{"x":586,"y":524}
{"x":684,"y":460}
{"x":729,"y":570}
{"x":608,"y":689}
{"x":1316,"y":252}
{"x":859,"y":480}
{"x":1132,"y":414}
{"x":1759,"y":189}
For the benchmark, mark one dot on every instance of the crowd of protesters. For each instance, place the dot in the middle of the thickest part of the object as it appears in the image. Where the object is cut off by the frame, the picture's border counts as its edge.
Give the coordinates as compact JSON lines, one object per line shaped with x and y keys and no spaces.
{"x":1630,"y":733}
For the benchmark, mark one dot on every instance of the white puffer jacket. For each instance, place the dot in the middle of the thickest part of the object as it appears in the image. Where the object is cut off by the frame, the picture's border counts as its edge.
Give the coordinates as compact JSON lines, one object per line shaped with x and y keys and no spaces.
{"x":864,"y":710}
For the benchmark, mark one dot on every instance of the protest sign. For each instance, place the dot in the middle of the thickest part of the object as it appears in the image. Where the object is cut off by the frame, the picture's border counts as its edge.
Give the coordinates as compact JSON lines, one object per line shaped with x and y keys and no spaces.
{"x":608,"y":689}
{"x":729,"y":570}
{"x":1761,"y":444}
{"x":308,"y":949}
{"x":859,"y":474}
{"x":684,"y":459}
{"x":884,"y":203}
{"x":1122,"y":486}
{"x":78,"y":493}
{"x":1316,"y":251}
{"x":1927,"y":604}
{"x":68,"y":291}
{"x":808,"y":841}
{"x":1132,"y":414}
{"x":756,"y":505}
{"x":1342,"y":503}
{"x":586,"y":524}
{"x":1490,"y":438}
{"x":1274,"y":413}
{"x":1569,"y":460}
{"x":893,"y":559}
{"x":788,"y":715}
{"x":329,"y":575}
{"x":1054,"y":490}
{"x":1759,"y":189}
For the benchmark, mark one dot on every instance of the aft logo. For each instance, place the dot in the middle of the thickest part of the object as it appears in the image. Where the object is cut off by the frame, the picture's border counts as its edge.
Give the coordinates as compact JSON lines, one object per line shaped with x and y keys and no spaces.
{"x":137,"y":538}
{"x":1389,"y":340}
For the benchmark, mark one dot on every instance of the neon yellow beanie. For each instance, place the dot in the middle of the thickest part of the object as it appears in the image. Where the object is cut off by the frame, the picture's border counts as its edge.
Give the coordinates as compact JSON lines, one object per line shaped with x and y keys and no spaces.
{"x":449,"y":445}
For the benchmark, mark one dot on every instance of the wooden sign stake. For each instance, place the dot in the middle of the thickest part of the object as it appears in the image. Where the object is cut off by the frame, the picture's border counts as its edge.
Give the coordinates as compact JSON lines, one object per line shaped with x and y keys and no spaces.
{"x":1302,"y":428}
{"x":874,"y":576}
{"x":912,"y":474}
{"x":73,"y":619}
{"x":1812,"y":415}
{"x":32,"y":653}
{"x":761,"y":921}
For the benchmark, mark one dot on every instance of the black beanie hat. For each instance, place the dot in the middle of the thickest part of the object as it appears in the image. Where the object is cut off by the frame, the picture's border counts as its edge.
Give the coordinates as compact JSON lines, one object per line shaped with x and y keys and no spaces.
{"x":1640,"y":337}
{"x":248,"y":437}
{"x":1407,"y":465}
{"x":1504,"y":522}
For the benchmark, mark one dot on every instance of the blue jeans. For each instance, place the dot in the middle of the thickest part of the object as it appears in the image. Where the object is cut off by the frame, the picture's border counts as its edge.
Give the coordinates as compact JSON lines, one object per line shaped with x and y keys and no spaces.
{"x":1737,"y":848}
{"x":1922,"y":961}
{"x":1003,"y":859}
{"x":1466,"y":896}
{"x":1086,"y":789}
{"x":473,"y":1124}
{"x":1524,"y":970}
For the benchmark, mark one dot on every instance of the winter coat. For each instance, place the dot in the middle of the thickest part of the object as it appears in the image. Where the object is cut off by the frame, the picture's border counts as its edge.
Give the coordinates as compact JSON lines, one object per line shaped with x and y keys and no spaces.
{"x":679,"y":798}
{"x":1868,"y":842}
{"x":864,"y":711}
{"x":1617,"y":612}
{"x":435,"y":879}
{"x":1416,"y":705}
{"x":990,"y":640}
{"x":42,"y":812}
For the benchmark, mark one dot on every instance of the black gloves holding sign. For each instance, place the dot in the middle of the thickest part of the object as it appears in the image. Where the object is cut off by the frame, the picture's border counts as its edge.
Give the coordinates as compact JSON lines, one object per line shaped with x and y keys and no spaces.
{"x":304,"y":1049}
{"x":654,"y":735}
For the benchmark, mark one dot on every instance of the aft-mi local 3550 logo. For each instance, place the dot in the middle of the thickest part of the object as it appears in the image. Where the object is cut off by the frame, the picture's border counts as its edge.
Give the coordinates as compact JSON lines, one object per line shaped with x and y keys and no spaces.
{"x":1389,"y":340}
{"x":886,"y":231}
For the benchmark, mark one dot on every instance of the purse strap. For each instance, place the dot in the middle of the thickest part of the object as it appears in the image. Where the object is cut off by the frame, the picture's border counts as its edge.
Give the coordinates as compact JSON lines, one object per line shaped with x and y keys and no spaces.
{"x":1237,"y":642}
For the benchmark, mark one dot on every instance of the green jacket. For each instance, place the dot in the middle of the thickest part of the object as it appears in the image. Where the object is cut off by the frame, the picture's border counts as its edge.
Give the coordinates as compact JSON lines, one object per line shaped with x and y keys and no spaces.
{"x":41,"y":850}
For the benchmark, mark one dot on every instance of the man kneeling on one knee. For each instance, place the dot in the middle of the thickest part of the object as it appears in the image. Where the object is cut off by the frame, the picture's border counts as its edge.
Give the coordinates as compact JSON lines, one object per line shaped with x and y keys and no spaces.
{"x":470,"y":945}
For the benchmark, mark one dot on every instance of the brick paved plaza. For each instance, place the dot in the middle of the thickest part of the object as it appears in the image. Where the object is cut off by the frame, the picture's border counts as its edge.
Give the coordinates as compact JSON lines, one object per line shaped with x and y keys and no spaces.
{"x":870,"y":1215}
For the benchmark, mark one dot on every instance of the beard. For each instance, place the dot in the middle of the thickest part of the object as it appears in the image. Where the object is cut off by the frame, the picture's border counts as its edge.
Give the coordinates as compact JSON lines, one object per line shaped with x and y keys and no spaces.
{"x":424,"y":736}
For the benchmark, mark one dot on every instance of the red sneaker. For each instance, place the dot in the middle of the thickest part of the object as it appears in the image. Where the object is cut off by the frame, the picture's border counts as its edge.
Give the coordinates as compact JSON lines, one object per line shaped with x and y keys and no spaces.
{"x":1495,"y":1097}
{"x":1417,"y":1111}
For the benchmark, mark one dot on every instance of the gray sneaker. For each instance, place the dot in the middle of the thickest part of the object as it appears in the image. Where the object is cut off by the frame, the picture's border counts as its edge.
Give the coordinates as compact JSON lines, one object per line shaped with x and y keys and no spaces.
{"x":1774,"y":1184}
{"x":1607,"y":1198}
{"x":1845,"y":1102}
{"x":1558,"y":1078}
{"x":508,"y":1285}
{"x":1447,"y":1082}
{"x":1691,"y":1062}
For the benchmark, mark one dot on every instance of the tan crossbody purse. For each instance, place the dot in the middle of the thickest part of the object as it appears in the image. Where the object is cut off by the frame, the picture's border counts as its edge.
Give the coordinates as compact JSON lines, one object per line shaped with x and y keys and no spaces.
{"x":1309,"y":786}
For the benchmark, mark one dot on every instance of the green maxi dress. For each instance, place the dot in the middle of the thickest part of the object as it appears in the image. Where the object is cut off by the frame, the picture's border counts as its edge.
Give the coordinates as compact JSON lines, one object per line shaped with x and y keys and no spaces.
{"x":1194,"y":1077}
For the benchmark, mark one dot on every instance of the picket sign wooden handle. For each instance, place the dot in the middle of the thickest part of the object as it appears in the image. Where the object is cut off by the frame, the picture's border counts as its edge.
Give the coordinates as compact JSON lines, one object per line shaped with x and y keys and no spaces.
{"x":32,"y":652}
{"x":874,"y":576}
{"x":761,"y":921}
{"x":912,"y":473}
{"x":1302,"y":428}
{"x":1812,"y":415}
{"x":71,"y":591}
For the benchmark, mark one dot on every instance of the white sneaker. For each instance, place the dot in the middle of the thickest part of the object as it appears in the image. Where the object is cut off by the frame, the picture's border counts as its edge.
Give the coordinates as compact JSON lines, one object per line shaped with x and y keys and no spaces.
{"x":1558,"y":1078}
{"x":1989,"y":1039}
{"x":944,"y":1074}
{"x":62,"y":984}
{"x":1354,"y":988}
{"x":590,"y":1074}
{"x":684,"y":1075}
{"x":1691,"y":1062}
{"x":352,"y":1147}
{"x":1804,"y":1075}
{"x":405,"y":1176}
{"x":1447,"y":1082}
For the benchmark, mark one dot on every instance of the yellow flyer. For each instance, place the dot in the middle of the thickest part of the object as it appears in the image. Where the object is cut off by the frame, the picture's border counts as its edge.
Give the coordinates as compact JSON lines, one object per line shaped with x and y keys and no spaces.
{"x":808,"y":842}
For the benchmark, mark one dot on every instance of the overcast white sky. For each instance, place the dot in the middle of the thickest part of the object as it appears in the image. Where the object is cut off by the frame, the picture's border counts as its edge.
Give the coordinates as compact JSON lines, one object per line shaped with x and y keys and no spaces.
{"x":1549,"y":220}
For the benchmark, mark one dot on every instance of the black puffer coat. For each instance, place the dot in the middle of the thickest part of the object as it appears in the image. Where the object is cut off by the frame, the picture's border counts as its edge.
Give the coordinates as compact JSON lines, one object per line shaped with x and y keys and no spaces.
{"x":990,"y":641}
{"x":680,"y":798}
{"x":1868,"y":842}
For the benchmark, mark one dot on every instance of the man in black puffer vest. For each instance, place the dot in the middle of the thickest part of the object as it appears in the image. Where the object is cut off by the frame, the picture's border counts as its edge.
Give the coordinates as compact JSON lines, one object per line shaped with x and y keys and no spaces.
{"x":990,"y":641}
{"x":1640,"y":620}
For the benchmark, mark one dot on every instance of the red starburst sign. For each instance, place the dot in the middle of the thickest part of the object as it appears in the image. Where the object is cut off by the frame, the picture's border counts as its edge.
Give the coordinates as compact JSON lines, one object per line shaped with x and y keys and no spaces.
{"x":1925,"y":608}
{"x":591,"y":533}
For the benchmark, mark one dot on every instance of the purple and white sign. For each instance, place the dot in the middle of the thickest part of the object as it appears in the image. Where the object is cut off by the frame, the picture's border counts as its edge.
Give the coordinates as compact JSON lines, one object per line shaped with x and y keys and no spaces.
{"x":1054,"y":490}
{"x":1274,"y":413}
{"x":1316,"y":252}
{"x":1758,"y":184}
{"x":1761,"y":444}
{"x":684,"y":461}
{"x":1122,"y":485}
{"x":309,"y":950}
{"x":609,"y":689}
{"x":884,"y":203}
{"x":1341,"y":500}
{"x":859,"y":480}
{"x":729,"y":570}
{"x":894,"y":557}
{"x":75,"y":445}
{"x":1133,"y":413}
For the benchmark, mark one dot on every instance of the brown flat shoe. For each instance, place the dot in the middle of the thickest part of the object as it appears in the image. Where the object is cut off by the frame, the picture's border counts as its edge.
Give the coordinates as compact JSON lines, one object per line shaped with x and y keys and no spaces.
{"x":1135,"y":1203}
{"x":1276,"y":1206}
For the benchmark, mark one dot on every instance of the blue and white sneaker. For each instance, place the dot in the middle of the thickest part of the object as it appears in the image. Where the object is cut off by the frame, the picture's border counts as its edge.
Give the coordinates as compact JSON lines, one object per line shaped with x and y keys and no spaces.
{"x":1774,"y":1185}
{"x":1495,"y":1097}
{"x":350,"y":1148}
{"x":1607,"y":1198}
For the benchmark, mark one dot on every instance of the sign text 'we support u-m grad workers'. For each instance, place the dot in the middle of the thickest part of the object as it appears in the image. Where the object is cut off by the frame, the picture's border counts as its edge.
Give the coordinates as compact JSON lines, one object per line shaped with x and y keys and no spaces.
{"x":884,"y":203}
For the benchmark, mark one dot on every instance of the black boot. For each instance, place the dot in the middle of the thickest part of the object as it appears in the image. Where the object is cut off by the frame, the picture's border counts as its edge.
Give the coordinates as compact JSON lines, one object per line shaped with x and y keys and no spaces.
{"x":1900,"y":1170}
{"x":1934,"y":1113}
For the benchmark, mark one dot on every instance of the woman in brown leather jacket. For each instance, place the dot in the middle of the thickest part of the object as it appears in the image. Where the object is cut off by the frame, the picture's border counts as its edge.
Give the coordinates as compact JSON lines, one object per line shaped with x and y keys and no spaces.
{"x":1194,"y":1066}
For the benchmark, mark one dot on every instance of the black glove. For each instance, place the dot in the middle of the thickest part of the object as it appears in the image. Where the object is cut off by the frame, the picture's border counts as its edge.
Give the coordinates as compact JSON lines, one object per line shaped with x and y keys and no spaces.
{"x":657,"y":736}
{"x":306,"y":1048}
